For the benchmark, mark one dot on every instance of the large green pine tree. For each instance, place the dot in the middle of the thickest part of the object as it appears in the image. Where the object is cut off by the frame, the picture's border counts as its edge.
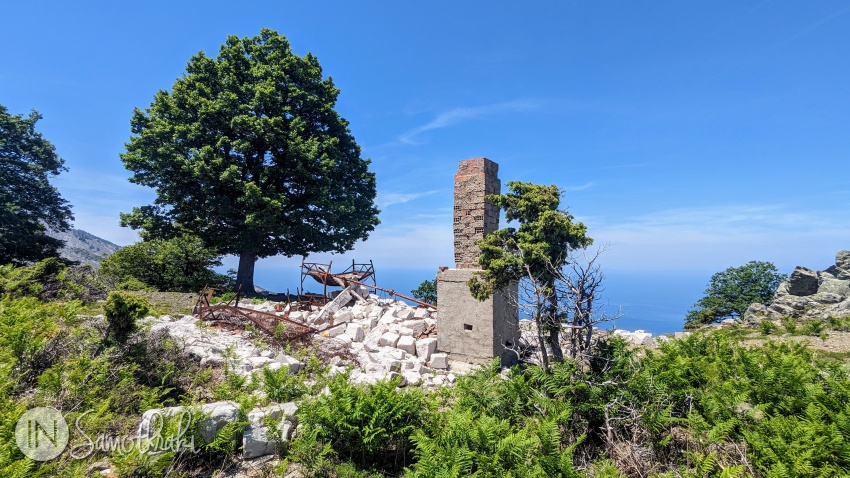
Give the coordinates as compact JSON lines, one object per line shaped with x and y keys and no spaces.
{"x":29,"y":204}
{"x":247,"y":152}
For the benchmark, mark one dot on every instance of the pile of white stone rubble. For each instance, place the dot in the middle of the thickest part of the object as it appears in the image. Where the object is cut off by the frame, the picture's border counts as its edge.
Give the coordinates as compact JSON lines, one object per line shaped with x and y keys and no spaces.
{"x":387,"y":338}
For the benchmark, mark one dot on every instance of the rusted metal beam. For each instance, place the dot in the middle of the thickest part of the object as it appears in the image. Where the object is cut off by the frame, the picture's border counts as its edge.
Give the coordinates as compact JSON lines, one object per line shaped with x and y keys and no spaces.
{"x":393,"y":292}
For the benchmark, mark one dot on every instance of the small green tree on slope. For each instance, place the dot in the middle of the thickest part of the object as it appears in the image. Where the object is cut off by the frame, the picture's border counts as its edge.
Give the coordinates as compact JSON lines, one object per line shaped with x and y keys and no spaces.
{"x":732,"y":291}
{"x":28,"y":202}
{"x":537,"y":251}
{"x":247,"y":152}
{"x":180,"y":264}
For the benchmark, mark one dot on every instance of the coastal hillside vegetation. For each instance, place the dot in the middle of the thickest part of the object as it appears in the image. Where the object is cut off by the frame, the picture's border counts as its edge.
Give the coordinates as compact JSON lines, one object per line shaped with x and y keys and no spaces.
{"x":714,"y":403}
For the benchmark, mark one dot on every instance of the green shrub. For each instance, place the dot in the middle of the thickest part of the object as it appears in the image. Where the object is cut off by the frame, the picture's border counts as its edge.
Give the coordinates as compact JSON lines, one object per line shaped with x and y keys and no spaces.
{"x":122,"y":310}
{"x":426,"y":292}
{"x":181,"y":264}
{"x":839,"y":324}
{"x":368,"y":425}
{"x":767,"y":327}
{"x":281,"y":386}
{"x":813,"y":327}
{"x":790,"y":325}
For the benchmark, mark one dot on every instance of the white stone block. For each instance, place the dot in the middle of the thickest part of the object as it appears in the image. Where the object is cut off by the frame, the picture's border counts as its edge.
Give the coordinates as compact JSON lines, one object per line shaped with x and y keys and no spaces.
{"x":258,"y":362}
{"x":404,"y":313}
{"x":421,"y":313}
{"x":417,"y":326}
{"x":404,"y":331}
{"x":355,"y":331}
{"x":396,"y":354}
{"x":412,"y":378}
{"x":343,"y":316}
{"x":388,"y":339}
{"x":440,"y":361}
{"x":407,"y":343}
{"x":389,"y":317}
{"x":256,"y":438}
{"x":343,"y":339}
{"x":334,"y":331}
{"x":297,"y":316}
{"x":425,"y":347}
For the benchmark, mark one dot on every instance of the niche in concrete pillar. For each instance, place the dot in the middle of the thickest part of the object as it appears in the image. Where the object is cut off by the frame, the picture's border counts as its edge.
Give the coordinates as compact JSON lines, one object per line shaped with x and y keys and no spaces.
{"x":469,"y":329}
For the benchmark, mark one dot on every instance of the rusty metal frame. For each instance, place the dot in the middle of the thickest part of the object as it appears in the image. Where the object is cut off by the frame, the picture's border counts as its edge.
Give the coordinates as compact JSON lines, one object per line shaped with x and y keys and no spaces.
{"x":322,"y":274}
{"x":267,"y":322}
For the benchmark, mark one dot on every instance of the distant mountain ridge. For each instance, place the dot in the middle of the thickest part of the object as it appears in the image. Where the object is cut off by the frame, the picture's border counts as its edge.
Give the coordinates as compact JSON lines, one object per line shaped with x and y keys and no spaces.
{"x":84,"y":247}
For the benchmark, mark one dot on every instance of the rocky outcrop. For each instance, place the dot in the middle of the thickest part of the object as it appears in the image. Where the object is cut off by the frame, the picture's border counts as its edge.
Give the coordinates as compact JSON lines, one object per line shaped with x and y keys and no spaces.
{"x":809,"y":295}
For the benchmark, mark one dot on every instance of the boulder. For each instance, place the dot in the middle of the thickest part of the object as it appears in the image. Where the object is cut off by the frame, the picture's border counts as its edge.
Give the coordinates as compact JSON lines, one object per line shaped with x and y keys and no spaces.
{"x":803,"y":282}
{"x":260,"y":438}
{"x":842,"y":264}
{"x":834,"y":286}
{"x":218,"y":415}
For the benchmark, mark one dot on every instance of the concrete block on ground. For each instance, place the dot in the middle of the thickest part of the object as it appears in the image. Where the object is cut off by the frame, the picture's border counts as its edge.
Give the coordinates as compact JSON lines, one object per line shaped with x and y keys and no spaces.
{"x":440,"y":361}
{"x":404,"y":331}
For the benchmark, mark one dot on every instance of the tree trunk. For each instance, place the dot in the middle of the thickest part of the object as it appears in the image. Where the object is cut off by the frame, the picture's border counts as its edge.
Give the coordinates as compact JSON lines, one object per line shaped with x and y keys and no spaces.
{"x":555,"y":326}
{"x":245,"y":274}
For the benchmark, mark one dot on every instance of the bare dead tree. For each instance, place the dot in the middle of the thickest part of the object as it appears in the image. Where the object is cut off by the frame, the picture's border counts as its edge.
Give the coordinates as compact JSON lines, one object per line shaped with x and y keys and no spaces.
{"x":579,"y":287}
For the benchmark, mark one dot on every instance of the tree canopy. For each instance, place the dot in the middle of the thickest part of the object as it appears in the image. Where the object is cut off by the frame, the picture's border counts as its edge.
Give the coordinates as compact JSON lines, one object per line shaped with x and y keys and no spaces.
{"x":537,"y":251}
{"x":247,"y":152}
{"x":732,"y":291}
{"x":29,"y":204}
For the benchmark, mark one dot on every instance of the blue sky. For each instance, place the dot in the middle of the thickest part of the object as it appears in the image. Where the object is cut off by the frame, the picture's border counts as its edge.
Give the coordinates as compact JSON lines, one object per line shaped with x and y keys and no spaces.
{"x":688,"y":135}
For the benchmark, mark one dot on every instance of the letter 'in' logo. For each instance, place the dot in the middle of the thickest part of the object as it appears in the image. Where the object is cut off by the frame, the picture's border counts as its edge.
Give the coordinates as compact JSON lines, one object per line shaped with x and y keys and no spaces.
{"x":42,"y":433}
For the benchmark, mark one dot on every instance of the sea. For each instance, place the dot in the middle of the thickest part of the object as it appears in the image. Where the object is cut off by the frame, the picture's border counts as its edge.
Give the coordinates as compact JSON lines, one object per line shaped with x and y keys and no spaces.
{"x":653,"y":301}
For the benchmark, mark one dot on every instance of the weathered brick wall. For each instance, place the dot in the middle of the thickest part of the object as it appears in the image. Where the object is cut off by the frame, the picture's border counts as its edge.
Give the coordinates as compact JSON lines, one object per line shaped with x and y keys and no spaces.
{"x":474,"y":215}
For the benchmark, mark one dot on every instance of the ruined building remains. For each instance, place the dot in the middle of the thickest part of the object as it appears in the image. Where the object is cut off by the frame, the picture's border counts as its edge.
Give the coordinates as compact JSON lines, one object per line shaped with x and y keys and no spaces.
{"x":474,"y":215}
{"x":470,"y":329}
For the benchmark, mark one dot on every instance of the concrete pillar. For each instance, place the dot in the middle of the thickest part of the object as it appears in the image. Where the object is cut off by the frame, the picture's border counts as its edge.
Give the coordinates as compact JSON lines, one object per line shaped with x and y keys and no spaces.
{"x":469,"y":329}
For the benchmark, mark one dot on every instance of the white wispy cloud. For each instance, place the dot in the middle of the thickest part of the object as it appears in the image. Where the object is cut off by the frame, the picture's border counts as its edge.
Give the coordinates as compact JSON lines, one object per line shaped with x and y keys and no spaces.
{"x":458,"y":115}
{"x":580,"y":187}
{"x":716,"y":237}
{"x":386,"y":200}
